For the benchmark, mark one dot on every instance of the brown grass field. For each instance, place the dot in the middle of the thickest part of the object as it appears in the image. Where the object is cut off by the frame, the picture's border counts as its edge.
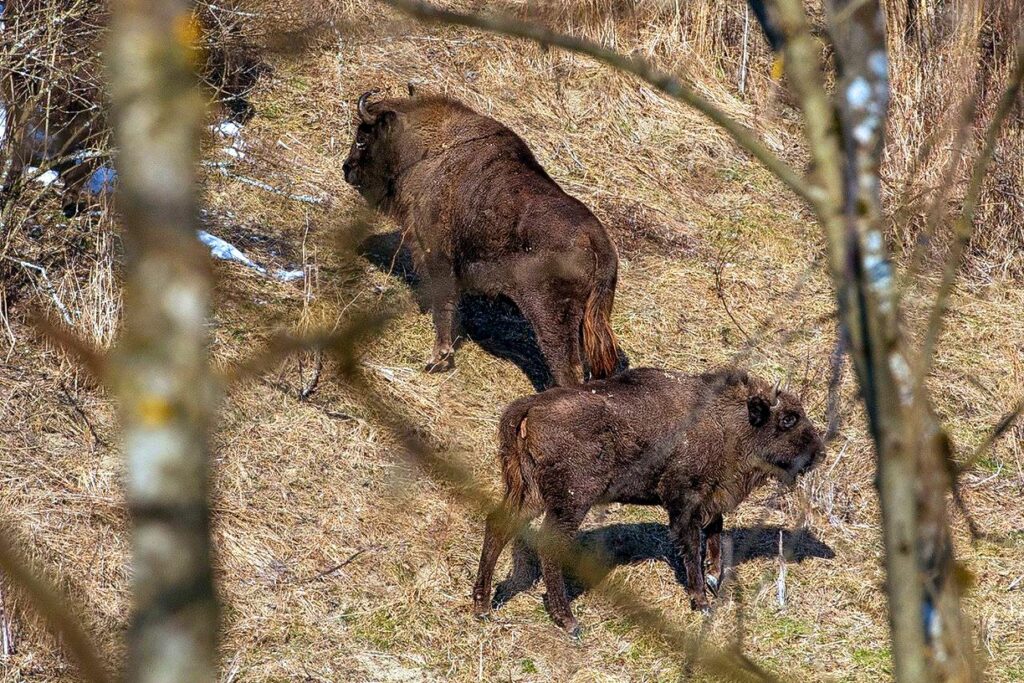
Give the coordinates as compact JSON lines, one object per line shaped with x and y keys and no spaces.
{"x":337,"y":561}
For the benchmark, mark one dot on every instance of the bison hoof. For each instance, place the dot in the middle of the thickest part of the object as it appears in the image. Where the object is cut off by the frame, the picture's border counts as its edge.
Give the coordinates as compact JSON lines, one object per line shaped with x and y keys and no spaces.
{"x":700,"y":605}
{"x":441,"y":362}
{"x":711,"y":581}
{"x":481,"y":610}
{"x":572,"y":629}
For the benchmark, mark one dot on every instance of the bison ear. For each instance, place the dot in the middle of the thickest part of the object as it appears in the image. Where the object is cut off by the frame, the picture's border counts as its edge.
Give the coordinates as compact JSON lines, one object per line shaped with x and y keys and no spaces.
{"x":758,"y":410}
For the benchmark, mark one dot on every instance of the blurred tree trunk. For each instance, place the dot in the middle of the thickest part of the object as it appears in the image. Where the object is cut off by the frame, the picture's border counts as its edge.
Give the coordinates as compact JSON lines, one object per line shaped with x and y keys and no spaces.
{"x":160,"y":370}
{"x":931,"y":642}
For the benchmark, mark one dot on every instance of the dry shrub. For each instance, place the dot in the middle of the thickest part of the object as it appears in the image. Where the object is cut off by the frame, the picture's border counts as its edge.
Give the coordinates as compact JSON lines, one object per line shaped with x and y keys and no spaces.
{"x":944,"y":54}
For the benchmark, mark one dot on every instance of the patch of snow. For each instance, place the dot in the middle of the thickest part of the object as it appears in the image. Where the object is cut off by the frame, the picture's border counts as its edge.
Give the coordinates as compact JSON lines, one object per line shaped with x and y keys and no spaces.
{"x":226,"y":251}
{"x":45,"y":179}
{"x":230,"y":131}
{"x":288,"y":275}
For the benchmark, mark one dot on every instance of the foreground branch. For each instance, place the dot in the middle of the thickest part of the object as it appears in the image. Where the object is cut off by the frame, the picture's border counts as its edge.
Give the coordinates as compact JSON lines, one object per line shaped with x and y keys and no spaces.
{"x":929,"y":635}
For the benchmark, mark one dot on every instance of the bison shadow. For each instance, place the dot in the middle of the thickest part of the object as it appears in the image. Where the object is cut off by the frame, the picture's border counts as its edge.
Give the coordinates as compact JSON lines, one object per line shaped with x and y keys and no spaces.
{"x":495,"y":324}
{"x":622,"y":544}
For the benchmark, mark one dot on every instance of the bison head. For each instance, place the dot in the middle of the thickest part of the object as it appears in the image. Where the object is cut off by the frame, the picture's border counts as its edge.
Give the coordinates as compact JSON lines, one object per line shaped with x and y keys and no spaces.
{"x":369,"y":165}
{"x":784,"y":436}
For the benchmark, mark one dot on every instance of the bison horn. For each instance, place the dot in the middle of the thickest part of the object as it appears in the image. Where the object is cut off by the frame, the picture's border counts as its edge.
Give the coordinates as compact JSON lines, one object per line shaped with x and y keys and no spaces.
{"x":775,"y":394}
{"x":364,"y":113}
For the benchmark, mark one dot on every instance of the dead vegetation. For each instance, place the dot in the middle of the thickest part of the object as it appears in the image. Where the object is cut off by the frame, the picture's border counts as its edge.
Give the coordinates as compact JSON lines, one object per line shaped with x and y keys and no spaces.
{"x":321,"y":576}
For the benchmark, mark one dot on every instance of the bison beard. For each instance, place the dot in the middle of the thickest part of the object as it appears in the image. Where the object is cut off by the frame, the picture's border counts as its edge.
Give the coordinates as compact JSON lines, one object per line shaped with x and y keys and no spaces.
{"x":696,"y":445}
{"x":484,"y":216}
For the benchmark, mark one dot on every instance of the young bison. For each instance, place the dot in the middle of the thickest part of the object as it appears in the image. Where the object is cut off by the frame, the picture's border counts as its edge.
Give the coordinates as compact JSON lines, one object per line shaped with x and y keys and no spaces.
{"x":696,"y":445}
{"x":484,"y":216}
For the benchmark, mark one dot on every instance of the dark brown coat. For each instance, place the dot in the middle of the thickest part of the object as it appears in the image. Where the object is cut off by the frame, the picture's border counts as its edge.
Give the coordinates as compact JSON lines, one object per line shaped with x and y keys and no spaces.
{"x":696,"y":445}
{"x":484,"y":216}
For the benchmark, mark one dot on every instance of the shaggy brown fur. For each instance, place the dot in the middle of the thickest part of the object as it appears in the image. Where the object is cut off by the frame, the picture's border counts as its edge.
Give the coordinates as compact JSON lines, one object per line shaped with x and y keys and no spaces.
{"x":484,"y":216}
{"x":696,"y":445}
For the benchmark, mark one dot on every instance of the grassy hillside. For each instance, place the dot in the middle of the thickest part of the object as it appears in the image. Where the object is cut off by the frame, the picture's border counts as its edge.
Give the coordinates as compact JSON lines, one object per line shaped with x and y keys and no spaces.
{"x":336,"y":561}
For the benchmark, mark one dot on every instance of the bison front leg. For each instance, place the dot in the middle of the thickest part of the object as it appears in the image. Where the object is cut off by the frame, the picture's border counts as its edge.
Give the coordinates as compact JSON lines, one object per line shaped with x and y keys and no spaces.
{"x":443,"y":295}
{"x":686,"y":533}
{"x":713,"y":553}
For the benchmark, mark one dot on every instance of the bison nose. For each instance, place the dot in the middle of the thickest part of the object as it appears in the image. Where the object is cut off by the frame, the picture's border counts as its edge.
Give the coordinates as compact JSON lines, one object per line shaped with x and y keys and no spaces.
{"x":817,"y":453}
{"x":347,"y":169}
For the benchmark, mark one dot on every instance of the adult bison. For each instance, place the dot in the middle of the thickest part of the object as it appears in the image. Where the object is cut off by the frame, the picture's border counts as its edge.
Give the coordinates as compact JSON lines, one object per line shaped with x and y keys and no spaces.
{"x":485,"y":217}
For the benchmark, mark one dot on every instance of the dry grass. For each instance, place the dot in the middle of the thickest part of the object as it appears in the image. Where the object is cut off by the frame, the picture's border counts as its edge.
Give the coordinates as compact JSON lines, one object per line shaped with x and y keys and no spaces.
{"x":303,"y":487}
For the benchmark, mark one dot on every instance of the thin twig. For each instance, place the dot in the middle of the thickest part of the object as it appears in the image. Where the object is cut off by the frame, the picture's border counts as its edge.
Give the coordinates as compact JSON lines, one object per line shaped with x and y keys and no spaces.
{"x":341,"y":565}
{"x":1004,"y":424}
{"x":6,"y":639}
{"x":837,"y":362}
{"x":47,"y":285}
{"x":81,"y":413}
{"x":224,"y":169}
{"x":89,"y":356}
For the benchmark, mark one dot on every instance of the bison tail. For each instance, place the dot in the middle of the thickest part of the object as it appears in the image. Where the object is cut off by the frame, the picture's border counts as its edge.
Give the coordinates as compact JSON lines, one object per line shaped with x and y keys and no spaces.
{"x":522,"y":496}
{"x":599,"y":343}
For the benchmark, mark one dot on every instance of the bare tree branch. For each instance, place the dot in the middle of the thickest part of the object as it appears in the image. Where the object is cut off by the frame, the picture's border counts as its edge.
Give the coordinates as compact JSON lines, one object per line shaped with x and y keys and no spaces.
{"x":93,"y":359}
{"x":1004,"y":425}
{"x":342,"y":343}
{"x":930,"y":638}
{"x":161,"y":371}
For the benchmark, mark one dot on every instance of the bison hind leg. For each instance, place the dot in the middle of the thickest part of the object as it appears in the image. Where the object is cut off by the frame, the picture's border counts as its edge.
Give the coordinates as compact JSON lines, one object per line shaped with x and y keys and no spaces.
{"x":556,"y":324}
{"x":524,"y":575}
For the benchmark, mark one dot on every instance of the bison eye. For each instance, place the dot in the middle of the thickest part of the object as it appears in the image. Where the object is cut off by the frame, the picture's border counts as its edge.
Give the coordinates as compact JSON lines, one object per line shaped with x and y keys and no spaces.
{"x":360,"y":144}
{"x":788,"y":421}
